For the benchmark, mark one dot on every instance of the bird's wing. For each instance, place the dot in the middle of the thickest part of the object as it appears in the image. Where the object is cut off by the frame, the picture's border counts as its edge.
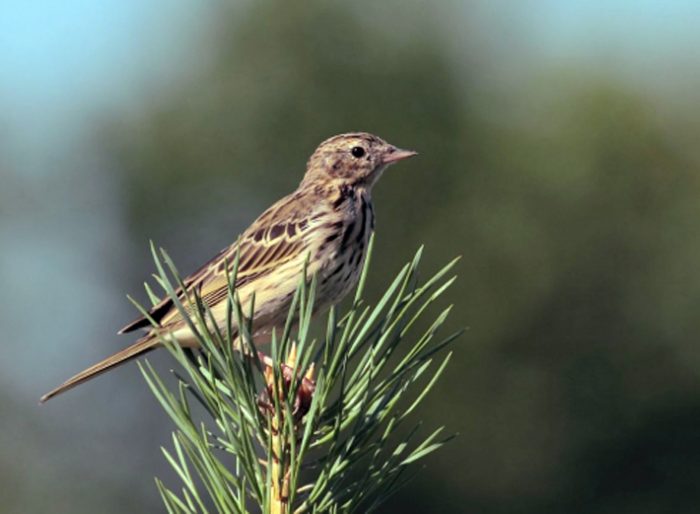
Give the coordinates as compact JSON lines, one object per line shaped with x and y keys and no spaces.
{"x":276,"y":237}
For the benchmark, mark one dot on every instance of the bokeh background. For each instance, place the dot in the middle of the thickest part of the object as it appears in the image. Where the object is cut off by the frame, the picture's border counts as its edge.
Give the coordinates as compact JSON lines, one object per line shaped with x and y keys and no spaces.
{"x":559,"y":154}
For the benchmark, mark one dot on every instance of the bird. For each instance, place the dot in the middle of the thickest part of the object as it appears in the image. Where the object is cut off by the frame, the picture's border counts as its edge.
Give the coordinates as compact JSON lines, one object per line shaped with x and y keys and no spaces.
{"x":322,"y":228}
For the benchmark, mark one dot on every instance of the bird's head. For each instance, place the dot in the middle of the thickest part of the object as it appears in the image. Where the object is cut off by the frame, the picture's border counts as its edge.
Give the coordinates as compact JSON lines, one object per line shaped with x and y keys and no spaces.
{"x":356,"y":159}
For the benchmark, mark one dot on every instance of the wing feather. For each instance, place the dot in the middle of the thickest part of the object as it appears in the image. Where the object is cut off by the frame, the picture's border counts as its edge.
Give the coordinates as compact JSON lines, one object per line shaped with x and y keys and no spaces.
{"x":261,"y":249}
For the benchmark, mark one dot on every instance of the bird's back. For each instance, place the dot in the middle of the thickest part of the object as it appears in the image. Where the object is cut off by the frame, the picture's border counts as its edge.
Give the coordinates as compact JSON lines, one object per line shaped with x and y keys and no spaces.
{"x":324,"y":229}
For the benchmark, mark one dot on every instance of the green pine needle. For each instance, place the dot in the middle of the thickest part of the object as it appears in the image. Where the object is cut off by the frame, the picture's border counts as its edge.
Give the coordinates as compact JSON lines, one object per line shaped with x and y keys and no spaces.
{"x":346,"y":451}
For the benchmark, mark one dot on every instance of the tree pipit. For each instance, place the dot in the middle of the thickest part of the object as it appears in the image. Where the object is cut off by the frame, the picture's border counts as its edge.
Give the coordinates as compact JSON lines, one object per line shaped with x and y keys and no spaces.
{"x":324,"y":225}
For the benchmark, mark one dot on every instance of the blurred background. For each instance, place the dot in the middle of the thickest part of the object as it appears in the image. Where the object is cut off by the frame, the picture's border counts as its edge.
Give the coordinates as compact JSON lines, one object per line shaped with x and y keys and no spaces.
{"x":558,"y":154}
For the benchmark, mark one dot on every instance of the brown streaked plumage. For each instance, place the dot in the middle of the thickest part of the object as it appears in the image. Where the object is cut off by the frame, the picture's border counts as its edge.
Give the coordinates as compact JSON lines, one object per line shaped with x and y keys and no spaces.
{"x":327,"y":220}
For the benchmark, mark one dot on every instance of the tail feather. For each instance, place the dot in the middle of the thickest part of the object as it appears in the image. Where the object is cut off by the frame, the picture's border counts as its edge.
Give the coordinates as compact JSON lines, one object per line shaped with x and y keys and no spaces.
{"x":143,"y":345}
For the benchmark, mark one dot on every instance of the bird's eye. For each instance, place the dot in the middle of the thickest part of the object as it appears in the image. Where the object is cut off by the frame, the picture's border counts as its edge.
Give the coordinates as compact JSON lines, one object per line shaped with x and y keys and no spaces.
{"x":357,"y":151}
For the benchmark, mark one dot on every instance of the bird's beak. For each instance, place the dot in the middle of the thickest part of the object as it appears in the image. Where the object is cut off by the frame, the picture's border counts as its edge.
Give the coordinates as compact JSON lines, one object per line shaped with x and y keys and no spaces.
{"x":397,"y":154}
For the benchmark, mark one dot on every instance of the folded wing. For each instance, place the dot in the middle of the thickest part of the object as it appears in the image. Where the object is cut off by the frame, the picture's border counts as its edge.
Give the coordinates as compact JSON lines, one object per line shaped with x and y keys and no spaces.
{"x":260,"y":250}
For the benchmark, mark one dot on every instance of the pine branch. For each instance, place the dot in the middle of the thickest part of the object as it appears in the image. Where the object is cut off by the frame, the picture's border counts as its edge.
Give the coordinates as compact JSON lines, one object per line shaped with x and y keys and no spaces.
{"x":313,"y":426}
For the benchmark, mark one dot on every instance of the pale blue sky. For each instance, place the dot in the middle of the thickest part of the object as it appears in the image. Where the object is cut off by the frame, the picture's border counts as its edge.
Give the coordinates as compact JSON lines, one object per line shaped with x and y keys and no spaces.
{"x":60,"y":62}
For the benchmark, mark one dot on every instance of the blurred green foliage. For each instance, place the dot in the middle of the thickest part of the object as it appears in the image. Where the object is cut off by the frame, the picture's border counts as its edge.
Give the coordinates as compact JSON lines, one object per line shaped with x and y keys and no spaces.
{"x":572,"y":200}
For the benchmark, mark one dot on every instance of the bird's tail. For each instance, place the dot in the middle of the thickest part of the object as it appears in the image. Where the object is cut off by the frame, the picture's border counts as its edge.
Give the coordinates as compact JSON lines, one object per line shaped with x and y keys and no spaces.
{"x":143,"y":345}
